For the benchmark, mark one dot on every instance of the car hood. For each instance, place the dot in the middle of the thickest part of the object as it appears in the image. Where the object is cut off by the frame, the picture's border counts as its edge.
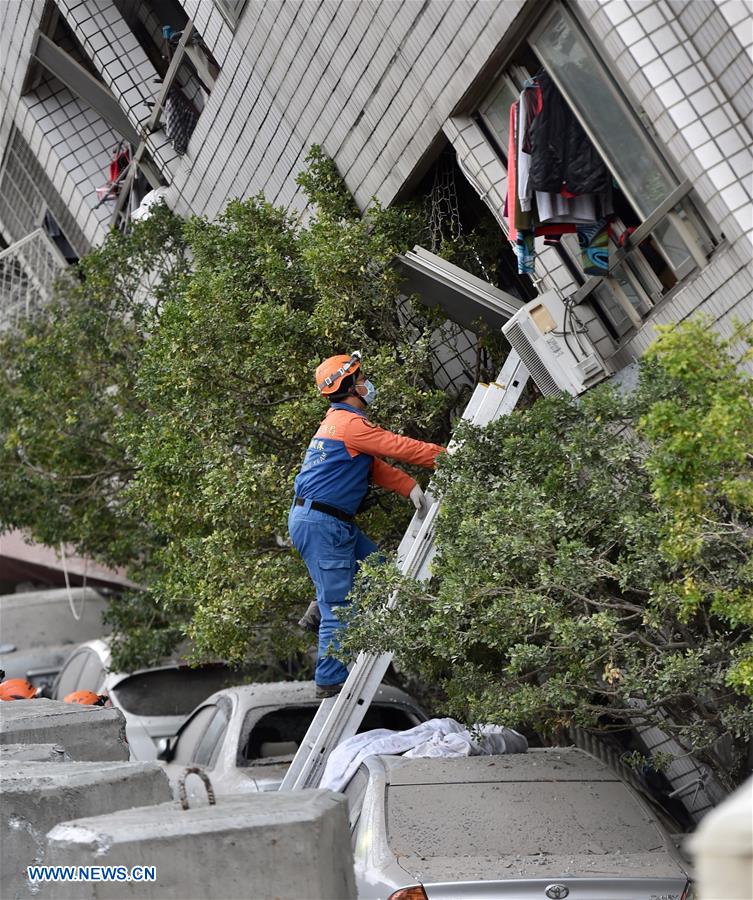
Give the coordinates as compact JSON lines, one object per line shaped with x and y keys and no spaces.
{"x":651,"y":864}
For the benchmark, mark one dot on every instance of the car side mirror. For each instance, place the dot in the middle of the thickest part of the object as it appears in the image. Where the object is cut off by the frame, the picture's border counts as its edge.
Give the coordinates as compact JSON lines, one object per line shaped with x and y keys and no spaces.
{"x":165,"y":749}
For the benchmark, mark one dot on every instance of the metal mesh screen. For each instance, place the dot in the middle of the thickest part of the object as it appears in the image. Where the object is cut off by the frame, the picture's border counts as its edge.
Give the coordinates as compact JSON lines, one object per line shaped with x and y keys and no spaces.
{"x":25,"y":193}
{"x":28,"y":269}
{"x":457,"y":357}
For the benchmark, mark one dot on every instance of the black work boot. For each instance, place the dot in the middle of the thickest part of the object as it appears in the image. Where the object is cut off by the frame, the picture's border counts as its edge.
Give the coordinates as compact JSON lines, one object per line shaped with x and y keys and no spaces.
{"x":328,"y":690}
{"x":311,"y":618}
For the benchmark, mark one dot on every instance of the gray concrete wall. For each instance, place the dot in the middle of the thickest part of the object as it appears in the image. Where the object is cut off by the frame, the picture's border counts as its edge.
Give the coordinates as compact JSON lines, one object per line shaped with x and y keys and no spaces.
{"x":69,"y":171}
{"x":265,"y":846}
{"x":86,"y":732}
{"x":38,"y":795}
{"x":372,"y":82}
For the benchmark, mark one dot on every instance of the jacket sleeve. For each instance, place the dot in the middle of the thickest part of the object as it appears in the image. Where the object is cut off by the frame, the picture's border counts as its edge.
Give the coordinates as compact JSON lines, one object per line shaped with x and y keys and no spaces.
{"x":362,"y":436}
{"x":393,"y":479}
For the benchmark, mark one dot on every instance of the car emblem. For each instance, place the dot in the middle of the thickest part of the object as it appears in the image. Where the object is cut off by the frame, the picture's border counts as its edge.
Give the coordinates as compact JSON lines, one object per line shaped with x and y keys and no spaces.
{"x":557,"y":891}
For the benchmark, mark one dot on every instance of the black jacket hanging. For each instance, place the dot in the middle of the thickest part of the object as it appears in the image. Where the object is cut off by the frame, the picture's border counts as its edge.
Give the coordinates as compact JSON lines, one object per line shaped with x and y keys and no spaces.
{"x":562,"y":156}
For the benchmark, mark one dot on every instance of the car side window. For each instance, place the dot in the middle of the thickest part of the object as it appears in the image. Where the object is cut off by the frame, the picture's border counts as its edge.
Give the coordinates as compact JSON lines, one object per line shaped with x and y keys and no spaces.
{"x":212,"y":737}
{"x":92,"y":675}
{"x":192,"y":733}
{"x":69,"y":675}
{"x":277,"y":733}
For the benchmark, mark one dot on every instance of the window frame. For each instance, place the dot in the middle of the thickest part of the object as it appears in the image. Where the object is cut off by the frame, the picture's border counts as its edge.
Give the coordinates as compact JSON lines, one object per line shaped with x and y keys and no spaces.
{"x":697,"y":232}
{"x":231,"y":16}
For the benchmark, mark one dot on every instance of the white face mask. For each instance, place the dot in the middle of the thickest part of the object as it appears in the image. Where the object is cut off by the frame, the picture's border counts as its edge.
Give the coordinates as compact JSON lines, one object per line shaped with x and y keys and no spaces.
{"x":370,"y":395}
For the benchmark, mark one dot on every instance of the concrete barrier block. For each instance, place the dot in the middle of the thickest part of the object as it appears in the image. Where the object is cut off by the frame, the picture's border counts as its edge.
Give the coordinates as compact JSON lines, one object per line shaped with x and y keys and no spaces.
{"x":86,"y":732}
{"x":32,"y":753}
{"x":268,"y":845}
{"x":38,"y":795}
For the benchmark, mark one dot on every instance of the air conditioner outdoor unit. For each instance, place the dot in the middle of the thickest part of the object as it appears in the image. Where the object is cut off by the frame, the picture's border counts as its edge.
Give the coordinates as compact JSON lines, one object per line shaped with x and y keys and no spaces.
{"x":554,"y":347}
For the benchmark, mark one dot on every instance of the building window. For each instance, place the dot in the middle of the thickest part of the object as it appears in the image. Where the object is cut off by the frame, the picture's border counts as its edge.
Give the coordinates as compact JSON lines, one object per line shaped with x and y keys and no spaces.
{"x":657,"y":235}
{"x":231,"y":10}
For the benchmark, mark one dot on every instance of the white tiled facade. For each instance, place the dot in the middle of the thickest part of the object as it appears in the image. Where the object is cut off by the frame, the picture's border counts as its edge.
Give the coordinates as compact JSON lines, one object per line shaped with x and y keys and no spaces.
{"x":382,"y":85}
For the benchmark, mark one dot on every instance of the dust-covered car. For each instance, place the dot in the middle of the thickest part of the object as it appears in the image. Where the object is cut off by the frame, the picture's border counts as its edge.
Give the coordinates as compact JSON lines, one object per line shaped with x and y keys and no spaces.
{"x":245,"y":737}
{"x":550,"y":823}
{"x":154,"y":701}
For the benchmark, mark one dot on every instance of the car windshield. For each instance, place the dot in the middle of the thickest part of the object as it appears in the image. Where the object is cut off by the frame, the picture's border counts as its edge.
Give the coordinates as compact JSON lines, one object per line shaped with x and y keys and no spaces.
{"x":516,"y":819}
{"x":173,"y":691}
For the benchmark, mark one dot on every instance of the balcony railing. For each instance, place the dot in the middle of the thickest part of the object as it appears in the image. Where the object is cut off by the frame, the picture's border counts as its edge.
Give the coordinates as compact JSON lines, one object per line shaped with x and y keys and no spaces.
{"x":28,"y":269}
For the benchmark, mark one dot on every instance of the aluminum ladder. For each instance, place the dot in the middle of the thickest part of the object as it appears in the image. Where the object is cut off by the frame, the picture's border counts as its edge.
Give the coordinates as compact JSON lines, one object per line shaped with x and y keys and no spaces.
{"x":339,"y":717}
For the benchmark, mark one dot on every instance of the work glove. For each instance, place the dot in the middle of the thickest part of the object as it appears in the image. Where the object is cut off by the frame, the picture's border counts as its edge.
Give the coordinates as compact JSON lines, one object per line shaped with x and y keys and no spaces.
{"x":418,"y":499}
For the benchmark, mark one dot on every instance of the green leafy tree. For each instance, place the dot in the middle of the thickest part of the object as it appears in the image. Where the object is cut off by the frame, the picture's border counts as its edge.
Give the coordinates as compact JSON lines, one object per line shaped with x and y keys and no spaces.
{"x":155,"y":415}
{"x":594,"y":561}
{"x":227,"y":381}
{"x":67,"y":379}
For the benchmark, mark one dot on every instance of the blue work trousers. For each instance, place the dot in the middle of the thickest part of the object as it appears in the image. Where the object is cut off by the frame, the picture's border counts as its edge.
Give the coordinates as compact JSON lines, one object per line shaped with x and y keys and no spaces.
{"x":332,"y":551}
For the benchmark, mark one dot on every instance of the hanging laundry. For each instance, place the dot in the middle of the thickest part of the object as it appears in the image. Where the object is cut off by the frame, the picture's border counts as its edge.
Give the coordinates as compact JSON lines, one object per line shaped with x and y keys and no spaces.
{"x":574,"y":195}
{"x":118,"y":164}
{"x":594,"y":247}
{"x":180,"y":119}
{"x":561,"y":153}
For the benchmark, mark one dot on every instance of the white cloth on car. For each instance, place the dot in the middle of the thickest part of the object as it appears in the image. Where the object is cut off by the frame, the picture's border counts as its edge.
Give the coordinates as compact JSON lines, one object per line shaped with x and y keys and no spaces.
{"x":437,"y":737}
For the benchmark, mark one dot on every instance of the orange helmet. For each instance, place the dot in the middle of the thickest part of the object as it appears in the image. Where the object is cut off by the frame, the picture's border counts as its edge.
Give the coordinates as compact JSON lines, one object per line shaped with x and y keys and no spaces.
{"x":85,"y":698}
{"x":17,"y":689}
{"x":330,"y":374}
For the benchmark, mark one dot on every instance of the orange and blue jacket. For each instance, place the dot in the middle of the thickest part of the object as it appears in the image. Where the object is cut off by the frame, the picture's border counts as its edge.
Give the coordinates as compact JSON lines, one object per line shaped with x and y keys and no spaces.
{"x":346,"y":453}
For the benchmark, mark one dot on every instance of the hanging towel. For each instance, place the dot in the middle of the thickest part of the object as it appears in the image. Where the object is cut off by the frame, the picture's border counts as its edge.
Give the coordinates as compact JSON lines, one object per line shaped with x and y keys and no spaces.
{"x":525,"y":251}
{"x":594,"y":247}
{"x":437,"y":737}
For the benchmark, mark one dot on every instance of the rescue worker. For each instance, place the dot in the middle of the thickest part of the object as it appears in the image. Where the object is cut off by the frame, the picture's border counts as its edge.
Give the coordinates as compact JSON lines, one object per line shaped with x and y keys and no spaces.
{"x":17,"y":689}
{"x":86,"y":698}
{"x":344,"y":455}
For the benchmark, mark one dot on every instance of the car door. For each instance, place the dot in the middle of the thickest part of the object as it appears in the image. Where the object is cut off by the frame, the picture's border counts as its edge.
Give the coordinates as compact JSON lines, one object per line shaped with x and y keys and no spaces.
{"x":198,"y":743}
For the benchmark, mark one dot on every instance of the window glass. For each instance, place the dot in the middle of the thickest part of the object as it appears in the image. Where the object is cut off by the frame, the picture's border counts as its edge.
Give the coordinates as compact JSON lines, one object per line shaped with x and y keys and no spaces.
{"x":212,"y":738}
{"x":93,"y":674}
{"x":495,"y":111}
{"x":673,"y":247}
{"x":173,"y":691}
{"x":620,"y":139}
{"x":192,"y":733}
{"x":69,"y":675}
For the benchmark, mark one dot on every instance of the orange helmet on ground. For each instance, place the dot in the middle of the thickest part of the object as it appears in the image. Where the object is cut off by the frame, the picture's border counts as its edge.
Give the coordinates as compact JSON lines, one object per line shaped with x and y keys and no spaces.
{"x":330,"y":374}
{"x":85,"y":698}
{"x":17,"y":689}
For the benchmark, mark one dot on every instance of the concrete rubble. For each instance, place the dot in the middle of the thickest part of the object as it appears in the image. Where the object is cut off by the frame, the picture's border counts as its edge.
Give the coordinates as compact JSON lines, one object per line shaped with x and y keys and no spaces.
{"x":86,"y":732}
{"x":38,"y":795}
{"x":33,"y":753}
{"x":70,"y":798}
{"x":264,"y":846}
